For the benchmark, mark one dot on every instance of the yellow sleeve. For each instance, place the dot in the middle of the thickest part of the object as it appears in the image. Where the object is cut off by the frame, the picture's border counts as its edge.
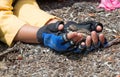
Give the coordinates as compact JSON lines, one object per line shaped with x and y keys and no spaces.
{"x":29,"y":11}
{"x":9,"y":23}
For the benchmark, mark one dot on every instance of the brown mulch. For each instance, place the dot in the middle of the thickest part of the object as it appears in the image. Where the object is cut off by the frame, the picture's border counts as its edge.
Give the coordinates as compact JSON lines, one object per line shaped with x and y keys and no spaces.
{"x":38,"y":61}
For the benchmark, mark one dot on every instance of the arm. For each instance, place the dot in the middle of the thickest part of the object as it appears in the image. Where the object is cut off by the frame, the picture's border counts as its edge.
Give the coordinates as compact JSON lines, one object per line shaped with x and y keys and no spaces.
{"x":28,"y":33}
{"x":9,"y":23}
{"x":12,"y":28}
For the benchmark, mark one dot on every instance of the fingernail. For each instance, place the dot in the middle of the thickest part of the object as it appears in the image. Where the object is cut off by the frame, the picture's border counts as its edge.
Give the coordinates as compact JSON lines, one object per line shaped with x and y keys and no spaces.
{"x":82,"y":46}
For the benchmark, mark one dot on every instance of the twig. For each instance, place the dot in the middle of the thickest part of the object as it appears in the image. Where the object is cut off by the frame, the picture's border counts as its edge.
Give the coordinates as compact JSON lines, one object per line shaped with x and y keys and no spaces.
{"x":7,"y":51}
{"x":113,"y":42}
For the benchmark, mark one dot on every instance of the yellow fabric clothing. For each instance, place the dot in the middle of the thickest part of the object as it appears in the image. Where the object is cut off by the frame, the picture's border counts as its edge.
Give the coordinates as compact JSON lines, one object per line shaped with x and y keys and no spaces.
{"x":24,"y":11}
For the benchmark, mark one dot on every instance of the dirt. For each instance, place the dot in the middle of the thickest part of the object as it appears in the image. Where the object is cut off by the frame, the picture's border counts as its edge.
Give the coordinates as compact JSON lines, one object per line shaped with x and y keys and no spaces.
{"x":39,"y":61}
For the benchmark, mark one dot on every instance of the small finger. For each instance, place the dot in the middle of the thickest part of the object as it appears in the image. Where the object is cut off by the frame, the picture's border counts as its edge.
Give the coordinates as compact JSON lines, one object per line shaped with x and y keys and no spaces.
{"x":71,"y":35}
{"x":102,"y":39}
{"x":88,"y":41}
{"x":78,"y":38}
{"x":60,"y":27}
{"x":99,"y":28}
{"x":94,"y":37}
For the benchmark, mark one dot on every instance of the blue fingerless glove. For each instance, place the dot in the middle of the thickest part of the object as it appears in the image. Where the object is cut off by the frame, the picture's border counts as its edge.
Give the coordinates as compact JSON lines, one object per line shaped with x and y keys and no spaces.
{"x":56,"y":42}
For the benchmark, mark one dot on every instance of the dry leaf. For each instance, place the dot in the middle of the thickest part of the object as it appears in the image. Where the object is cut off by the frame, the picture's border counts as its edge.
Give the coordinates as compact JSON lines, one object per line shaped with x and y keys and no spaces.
{"x":91,"y":14}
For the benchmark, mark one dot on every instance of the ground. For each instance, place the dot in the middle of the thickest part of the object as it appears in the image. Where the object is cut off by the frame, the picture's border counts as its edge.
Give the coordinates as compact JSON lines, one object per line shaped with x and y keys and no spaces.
{"x":39,"y":61}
